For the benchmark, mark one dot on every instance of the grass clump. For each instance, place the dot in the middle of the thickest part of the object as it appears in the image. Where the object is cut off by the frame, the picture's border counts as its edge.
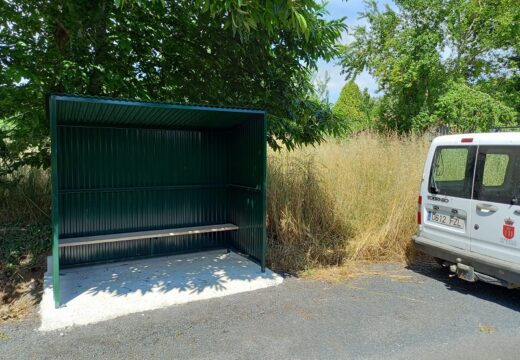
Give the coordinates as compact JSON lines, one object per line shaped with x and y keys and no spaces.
{"x":25,"y":197}
{"x":302,"y":227}
{"x":25,"y":234}
{"x":344,"y":200}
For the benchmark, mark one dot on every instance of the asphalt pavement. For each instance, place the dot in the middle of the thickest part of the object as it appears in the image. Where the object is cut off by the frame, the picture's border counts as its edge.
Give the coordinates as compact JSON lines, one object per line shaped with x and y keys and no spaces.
{"x":416,"y":312}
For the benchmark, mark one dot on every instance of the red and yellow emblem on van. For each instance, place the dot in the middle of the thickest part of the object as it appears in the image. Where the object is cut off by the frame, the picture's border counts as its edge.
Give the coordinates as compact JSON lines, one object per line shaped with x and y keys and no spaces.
{"x":508,"y":230}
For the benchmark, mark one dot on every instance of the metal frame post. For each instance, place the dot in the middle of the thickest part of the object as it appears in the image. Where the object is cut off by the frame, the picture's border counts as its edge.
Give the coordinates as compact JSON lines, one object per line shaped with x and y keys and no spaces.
{"x":264,"y":193}
{"x":55,"y":202}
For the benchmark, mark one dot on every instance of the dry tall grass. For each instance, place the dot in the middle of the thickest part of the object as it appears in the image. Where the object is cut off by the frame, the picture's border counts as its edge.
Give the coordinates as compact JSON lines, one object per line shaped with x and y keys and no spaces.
{"x":24,"y":239}
{"x":26,"y":200}
{"x":352,"y":199}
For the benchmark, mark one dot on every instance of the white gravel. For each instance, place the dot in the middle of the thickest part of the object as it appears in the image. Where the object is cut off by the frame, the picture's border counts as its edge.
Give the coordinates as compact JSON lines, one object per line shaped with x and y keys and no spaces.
{"x":102,"y":292}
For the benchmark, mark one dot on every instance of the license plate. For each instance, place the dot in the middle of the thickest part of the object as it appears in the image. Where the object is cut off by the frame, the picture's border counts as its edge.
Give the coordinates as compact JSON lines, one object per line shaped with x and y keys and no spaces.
{"x":447,"y":220}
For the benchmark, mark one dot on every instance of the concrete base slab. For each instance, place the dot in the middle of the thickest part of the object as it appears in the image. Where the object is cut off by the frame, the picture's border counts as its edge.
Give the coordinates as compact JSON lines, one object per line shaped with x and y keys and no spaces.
{"x":102,"y":292}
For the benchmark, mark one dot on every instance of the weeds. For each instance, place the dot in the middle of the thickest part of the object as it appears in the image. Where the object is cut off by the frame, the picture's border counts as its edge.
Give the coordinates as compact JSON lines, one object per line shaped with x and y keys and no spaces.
{"x":303,"y":229}
{"x":25,"y":198}
{"x":25,"y":234}
{"x":24,"y":219}
{"x":345,"y":200}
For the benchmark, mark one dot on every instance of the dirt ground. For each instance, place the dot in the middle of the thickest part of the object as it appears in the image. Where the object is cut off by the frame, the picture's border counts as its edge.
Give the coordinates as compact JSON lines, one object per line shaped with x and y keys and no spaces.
{"x":22,"y":291}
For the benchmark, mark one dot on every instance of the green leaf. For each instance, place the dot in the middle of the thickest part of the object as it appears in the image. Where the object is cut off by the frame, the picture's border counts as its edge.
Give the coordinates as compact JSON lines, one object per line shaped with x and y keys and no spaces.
{"x":301,"y":22}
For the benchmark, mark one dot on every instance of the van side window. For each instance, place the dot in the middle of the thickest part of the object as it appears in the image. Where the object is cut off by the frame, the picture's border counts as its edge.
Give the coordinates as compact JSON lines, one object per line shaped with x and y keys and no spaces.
{"x":452,"y":171}
{"x":497,"y":167}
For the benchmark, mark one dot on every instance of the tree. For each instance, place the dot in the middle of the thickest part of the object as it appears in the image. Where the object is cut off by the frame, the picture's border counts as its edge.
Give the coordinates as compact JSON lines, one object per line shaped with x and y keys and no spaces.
{"x":228,"y":53}
{"x":468,"y":109}
{"x":354,"y":108}
{"x":417,"y":51}
{"x":369,"y":107}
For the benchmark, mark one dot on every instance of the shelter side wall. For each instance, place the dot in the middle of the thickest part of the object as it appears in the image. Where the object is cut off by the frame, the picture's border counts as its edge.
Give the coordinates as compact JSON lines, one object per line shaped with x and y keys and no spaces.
{"x":245,"y":173}
{"x":244,"y":212}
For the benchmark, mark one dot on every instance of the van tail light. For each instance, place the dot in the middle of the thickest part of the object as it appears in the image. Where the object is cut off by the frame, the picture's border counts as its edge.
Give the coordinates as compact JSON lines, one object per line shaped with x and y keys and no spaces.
{"x":419,"y":215}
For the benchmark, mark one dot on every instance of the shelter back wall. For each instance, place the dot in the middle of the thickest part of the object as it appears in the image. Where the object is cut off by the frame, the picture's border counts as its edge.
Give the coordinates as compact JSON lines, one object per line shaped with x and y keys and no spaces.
{"x":127,"y":179}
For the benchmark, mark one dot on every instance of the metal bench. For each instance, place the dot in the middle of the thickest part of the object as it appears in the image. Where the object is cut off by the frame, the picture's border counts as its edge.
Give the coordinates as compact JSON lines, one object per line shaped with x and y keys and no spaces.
{"x":96,"y":239}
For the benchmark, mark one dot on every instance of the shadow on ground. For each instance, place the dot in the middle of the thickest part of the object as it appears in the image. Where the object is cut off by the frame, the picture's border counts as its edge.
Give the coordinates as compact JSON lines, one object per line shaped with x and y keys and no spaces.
{"x":509,"y":298}
{"x":192,"y":274}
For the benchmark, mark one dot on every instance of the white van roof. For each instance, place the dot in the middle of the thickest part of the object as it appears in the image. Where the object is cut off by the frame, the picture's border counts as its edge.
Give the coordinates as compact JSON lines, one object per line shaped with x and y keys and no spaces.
{"x":498,"y":138}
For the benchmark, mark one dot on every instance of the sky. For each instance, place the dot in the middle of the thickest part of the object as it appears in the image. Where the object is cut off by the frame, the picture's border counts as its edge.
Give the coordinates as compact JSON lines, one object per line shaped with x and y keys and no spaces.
{"x":349,"y":9}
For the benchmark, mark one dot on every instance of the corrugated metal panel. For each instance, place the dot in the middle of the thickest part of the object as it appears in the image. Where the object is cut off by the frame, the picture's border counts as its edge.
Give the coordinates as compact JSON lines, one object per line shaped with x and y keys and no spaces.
{"x":106,"y":212}
{"x":110,"y":112}
{"x":111,"y":158}
{"x":245,"y":212}
{"x":246,"y":207}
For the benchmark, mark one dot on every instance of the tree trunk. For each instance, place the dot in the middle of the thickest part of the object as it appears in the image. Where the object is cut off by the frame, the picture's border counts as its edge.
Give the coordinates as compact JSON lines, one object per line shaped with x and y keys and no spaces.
{"x":100,"y":19}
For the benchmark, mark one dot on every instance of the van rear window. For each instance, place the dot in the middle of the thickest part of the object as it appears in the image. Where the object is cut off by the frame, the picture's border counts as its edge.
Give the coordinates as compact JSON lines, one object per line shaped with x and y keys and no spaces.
{"x":452,"y":171}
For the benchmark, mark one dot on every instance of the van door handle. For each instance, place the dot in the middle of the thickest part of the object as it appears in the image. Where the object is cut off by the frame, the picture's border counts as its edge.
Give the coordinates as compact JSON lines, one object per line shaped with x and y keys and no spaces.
{"x":487,"y":207}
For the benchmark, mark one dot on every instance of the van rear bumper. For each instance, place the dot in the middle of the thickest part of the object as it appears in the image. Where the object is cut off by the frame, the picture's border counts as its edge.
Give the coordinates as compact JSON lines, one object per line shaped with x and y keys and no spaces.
{"x":499,"y":269}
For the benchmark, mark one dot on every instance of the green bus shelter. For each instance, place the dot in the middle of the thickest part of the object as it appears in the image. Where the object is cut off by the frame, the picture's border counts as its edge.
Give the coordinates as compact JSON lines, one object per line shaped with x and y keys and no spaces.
{"x":140,"y":179}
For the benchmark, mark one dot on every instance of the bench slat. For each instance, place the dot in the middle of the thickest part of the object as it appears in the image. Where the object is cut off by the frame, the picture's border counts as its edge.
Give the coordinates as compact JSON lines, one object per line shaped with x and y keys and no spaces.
{"x":85,"y":240}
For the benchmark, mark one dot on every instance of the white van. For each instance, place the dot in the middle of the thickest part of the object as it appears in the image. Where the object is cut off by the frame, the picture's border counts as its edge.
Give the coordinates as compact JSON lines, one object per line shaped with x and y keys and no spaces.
{"x":469,"y":206}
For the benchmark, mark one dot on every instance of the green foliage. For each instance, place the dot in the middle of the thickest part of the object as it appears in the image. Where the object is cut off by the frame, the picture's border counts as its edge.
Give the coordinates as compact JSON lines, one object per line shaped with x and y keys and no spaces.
{"x":354,"y":108}
{"x":403,"y":58}
{"x":506,"y":90}
{"x":369,"y":106}
{"x":244,"y":17}
{"x":20,"y":247}
{"x":416,"y":52}
{"x":27,"y":200}
{"x":472,"y":110}
{"x":238,"y":53}
{"x":24,"y":221}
